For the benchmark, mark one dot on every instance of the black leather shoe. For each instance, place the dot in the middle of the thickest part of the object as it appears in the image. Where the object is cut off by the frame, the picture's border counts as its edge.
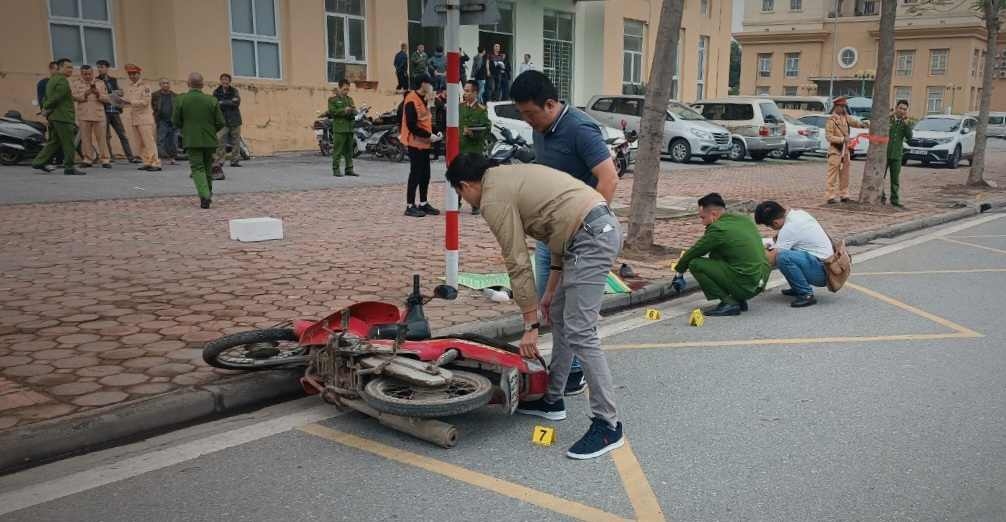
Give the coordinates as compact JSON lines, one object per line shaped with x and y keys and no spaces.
{"x":74,"y":172}
{"x":46,"y":169}
{"x":106,"y":165}
{"x":846,"y":200}
{"x":235,"y":164}
{"x":143,"y":168}
{"x":743,"y":305}
{"x":789,"y":292}
{"x":723,"y":310}
{"x":804,"y":301}
{"x":204,"y":203}
{"x":154,"y":169}
{"x":352,"y":174}
{"x":832,"y":201}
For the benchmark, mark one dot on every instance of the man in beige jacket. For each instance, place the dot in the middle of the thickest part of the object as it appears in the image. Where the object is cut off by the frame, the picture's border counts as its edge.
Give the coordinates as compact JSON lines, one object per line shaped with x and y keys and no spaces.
{"x":138,"y":117}
{"x":91,"y":95}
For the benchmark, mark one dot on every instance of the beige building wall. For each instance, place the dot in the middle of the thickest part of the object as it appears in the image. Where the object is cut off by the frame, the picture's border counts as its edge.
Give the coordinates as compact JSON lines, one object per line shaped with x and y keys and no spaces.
{"x":811,"y":32}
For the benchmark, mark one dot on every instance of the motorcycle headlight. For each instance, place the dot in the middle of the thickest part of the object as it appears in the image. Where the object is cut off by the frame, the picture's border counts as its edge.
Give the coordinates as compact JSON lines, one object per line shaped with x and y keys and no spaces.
{"x":701,"y":133}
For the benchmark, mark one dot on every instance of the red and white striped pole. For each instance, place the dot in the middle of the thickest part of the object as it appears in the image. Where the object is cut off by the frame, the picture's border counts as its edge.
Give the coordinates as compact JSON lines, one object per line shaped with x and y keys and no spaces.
{"x":452,"y":239}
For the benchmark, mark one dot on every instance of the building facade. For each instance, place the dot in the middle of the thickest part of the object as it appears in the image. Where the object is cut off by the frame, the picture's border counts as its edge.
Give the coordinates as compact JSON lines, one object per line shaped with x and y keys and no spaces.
{"x":286,"y":55}
{"x":829,"y":48}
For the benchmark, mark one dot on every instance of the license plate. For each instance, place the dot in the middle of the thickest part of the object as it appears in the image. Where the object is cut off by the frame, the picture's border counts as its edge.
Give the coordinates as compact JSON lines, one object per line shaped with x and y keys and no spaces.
{"x":319,"y":132}
{"x":918,"y":151}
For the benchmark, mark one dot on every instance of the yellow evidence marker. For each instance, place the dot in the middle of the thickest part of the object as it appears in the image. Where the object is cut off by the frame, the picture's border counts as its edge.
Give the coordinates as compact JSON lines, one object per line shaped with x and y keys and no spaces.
{"x":543,"y":436}
{"x":653,"y":314}
{"x":696,"y":319}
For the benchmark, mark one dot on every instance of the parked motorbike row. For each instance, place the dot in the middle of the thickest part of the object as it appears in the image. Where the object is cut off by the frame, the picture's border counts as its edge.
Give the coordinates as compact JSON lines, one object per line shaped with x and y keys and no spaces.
{"x":375,"y":136}
{"x":513,"y":148}
{"x":21,"y":139}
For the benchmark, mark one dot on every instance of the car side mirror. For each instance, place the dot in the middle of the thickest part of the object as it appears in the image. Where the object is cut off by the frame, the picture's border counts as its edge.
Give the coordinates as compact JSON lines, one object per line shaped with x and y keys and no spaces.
{"x":447,"y":293}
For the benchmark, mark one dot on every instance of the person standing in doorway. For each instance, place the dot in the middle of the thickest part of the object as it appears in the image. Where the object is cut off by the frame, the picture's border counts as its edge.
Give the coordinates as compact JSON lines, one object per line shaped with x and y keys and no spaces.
{"x":479,"y":68}
{"x":526,"y":65}
{"x":839,"y":154}
{"x":900,"y":133}
{"x":342,"y":111}
{"x":197,"y":115}
{"x":500,"y":71}
{"x":438,"y":68}
{"x":419,"y":64}
{"x":163,"y":103}
{"x":139,"y":118}
{"x":58,"y":109}
{"x":113,"y":111}
{"x":402,"y":68}
{"x":230,"y":104}
{"x":91,"y":97}
{"x":565,"y":139}
{"x":417,"y":135}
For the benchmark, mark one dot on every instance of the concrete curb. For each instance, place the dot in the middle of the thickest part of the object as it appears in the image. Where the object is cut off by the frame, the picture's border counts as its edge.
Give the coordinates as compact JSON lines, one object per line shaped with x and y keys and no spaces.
{"x":49,"y":440}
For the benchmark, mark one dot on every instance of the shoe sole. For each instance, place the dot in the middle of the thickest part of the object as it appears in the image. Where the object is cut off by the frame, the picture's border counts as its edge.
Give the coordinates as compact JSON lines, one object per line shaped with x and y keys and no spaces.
{"x":574,"y":393}
{"x":550,"y":415}
{"x":585,"y":456}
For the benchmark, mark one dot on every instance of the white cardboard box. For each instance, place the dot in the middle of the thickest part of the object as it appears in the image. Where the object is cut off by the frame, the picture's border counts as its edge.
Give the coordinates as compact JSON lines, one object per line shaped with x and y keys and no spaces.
{"x":256,"y":229}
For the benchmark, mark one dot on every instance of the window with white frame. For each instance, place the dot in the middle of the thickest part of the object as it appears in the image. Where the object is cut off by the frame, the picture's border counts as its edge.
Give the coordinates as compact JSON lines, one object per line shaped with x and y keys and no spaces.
{"x":81,"y":30}
{"x":345,"y":24}
{"x":789,"y":90}
{"x":974,"y":62}
{"x":796,"y":5}
{"x":632,"y":56}
{"x":938,"y":61}
{"x":904,"y":63}
{"x":768,"y":5}
{"x":676,"y":75}
{"x":934,"y":100}
{"x":704,"y":7}
{"x":792,"y":65}
{"x":700,"y":82}
{"x":903,"y":93}
{"x":255,"y":39}
{"x":765,"y":65}
{"x":762,"y":90}
{"x":847,"y":57}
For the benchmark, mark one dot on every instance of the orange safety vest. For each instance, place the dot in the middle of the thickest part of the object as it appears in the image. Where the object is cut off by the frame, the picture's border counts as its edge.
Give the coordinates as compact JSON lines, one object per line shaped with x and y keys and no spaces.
{"x":425,"y":122}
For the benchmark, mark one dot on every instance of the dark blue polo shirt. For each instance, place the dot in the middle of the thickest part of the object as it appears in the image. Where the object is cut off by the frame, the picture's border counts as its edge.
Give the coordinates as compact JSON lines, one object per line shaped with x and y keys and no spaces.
{"x":573,"y":145}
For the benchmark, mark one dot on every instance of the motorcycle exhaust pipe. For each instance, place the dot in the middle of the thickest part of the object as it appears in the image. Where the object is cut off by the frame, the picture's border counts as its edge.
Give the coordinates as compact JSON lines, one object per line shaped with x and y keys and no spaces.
{"x":431,"y":430}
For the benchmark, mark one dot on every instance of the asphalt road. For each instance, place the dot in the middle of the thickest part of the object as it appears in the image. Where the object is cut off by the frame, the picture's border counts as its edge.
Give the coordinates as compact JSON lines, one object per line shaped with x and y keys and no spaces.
{"x":886,"y":401}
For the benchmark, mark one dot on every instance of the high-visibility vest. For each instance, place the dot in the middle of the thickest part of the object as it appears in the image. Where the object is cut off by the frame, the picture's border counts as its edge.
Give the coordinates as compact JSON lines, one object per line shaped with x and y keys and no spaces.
{"x":424,"y":120}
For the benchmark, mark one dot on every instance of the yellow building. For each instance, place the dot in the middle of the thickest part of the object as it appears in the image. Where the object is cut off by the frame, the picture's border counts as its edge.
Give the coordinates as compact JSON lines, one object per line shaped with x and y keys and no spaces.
{"x":800,"y":47}
{"x":286,"y":55}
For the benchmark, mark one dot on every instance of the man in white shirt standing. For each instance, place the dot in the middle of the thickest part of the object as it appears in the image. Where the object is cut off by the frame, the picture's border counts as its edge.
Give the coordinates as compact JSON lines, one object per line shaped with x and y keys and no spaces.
{"x":799,"y":250}
{"x":526,"y":65}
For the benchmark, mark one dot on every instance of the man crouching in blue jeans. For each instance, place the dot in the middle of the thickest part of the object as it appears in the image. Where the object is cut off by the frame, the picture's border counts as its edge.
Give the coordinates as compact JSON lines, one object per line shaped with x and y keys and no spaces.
{"x":799,"y":250}
{"x":584,"y":238}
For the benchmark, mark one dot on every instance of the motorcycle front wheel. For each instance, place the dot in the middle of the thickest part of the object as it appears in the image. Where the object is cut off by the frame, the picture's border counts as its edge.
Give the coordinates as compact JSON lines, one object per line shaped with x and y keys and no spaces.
{"x":256,"y":350}
{"x":463,"y":393}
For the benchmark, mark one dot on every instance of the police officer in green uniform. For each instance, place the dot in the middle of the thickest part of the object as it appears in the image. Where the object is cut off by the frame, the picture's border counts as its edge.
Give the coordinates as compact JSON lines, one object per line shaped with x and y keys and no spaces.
{"x":473,"y":124}
{"x":198,"y":116}
{"x":899,"y":133}
{"x":342,"y":111}
{"x":58,"y":109}
{"x":736,"y":269}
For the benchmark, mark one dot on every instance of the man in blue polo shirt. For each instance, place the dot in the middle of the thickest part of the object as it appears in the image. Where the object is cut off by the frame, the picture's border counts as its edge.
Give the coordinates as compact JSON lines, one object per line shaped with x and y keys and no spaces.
{"x":567,"y":140}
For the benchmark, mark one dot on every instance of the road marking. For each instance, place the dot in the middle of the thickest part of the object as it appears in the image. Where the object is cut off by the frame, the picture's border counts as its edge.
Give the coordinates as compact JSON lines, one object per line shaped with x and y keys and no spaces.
{"x":140,"y":464}
{"x":965,"y":243}
{"x":508,"y":489}
{"x":788,"y":341}
{"x":932,"y":272}
{"x":637,"y":487}
{"x":917,"y":311}
{"x":980,"y":236}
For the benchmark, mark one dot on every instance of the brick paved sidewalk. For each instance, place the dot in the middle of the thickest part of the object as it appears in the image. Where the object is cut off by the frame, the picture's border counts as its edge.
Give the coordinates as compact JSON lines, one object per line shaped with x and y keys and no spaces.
{"x":110,"y":301}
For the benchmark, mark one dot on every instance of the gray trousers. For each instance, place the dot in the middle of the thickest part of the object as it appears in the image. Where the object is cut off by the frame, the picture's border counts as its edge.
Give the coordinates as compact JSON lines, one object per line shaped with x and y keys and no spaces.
{"x":576,"y":311}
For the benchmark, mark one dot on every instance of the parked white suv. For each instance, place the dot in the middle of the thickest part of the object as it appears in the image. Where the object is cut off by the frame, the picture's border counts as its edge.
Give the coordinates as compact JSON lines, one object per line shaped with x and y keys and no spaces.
{"x":756,"y":124}
{"x":821,"y":120}
{"x":942,"y":139}
{"x":505,"y":114}
{"x":686,"y":132}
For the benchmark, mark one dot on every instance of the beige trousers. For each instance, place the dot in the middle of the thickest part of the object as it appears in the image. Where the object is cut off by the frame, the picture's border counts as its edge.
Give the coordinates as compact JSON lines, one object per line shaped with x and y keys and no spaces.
{"x":143,"y":140}
{"x":93,"y":135}
{"x":838,"y":175}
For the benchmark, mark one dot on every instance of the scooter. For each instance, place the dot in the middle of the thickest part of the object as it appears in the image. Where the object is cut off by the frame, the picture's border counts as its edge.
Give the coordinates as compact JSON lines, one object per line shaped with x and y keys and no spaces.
{"x":510,"y":148}
{"x":323,"y":130}
{"x":19,"y":139}
{"x":381,"y":361}
{"x":381,"y":141}
{"x":621,"y":150}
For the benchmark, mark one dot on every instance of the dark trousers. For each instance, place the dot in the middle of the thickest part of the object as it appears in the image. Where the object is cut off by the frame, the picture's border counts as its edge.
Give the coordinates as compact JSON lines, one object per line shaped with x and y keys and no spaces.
{"x":115,"y":122}
{"x":167,"y":139}
{"x":419,"y":175}
{"x":61,"y":140}
{"x":403,"y":80}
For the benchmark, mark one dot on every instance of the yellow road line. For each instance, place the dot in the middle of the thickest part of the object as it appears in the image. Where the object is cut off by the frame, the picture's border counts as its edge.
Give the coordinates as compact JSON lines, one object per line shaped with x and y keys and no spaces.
{"x":965,"y":243}
{"x":977,"y":236}
{"x":502,"y":487}
{"x":637,"y":487}
{"x":928,"y":272}
{"x":917,"y":311}
{"x":790,"y":341}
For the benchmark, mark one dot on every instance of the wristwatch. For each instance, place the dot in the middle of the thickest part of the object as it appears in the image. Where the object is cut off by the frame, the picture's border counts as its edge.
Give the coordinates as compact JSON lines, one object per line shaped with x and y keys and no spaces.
{"x":532,"y":326}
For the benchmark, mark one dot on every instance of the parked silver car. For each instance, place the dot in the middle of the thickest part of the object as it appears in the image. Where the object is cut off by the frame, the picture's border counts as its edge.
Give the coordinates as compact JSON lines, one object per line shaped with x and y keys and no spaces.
{"x":756,"y":124}
{"x":801,"y":139}
{"x":686,"y":132}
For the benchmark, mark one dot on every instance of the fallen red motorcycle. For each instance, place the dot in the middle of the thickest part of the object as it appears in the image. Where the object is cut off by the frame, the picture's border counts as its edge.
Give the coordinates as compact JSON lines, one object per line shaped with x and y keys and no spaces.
{"x":376,"y":359}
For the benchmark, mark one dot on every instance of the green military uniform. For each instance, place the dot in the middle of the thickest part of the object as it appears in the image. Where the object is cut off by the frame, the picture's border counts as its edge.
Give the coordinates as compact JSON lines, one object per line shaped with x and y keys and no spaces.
{"x":419,"y":63}
{"x":199,"y":118}
{"x":58,"y":103}
{"x":342,"y":131}
{"x":899,"y":133}
{"x":474,"y":115}
{"x":736,"y":269}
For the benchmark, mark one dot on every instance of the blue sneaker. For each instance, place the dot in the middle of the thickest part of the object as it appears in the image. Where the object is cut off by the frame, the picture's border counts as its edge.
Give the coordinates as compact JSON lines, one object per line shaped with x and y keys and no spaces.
{"x":539,"y":408}
{"x":600,"y":439}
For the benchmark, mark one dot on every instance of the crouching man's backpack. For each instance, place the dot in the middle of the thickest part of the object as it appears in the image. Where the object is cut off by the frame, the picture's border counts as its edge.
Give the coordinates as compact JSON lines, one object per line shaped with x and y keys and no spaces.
{"x":838,"y":267}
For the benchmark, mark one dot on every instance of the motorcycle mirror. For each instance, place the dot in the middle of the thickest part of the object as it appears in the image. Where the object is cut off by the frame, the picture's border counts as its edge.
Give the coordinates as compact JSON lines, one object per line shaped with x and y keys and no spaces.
{"x":447,"y":293}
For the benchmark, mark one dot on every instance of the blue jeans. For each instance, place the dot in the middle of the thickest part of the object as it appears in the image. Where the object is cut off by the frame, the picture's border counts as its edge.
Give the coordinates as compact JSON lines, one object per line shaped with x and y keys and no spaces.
{"x":542,"y":262}
{"x":801,"y":270}
{"x":482,"y":91}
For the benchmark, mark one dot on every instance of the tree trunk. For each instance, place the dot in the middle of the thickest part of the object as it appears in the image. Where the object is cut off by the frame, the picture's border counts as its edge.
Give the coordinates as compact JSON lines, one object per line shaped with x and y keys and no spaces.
{"x":876,"y":158}
{"x":651,"y":128}
{"x":990,"y":11}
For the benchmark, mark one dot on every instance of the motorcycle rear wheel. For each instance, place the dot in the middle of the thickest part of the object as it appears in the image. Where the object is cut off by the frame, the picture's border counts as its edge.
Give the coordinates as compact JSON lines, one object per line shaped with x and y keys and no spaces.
{"x":256,"y":350}
{"x":463,"y":393}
